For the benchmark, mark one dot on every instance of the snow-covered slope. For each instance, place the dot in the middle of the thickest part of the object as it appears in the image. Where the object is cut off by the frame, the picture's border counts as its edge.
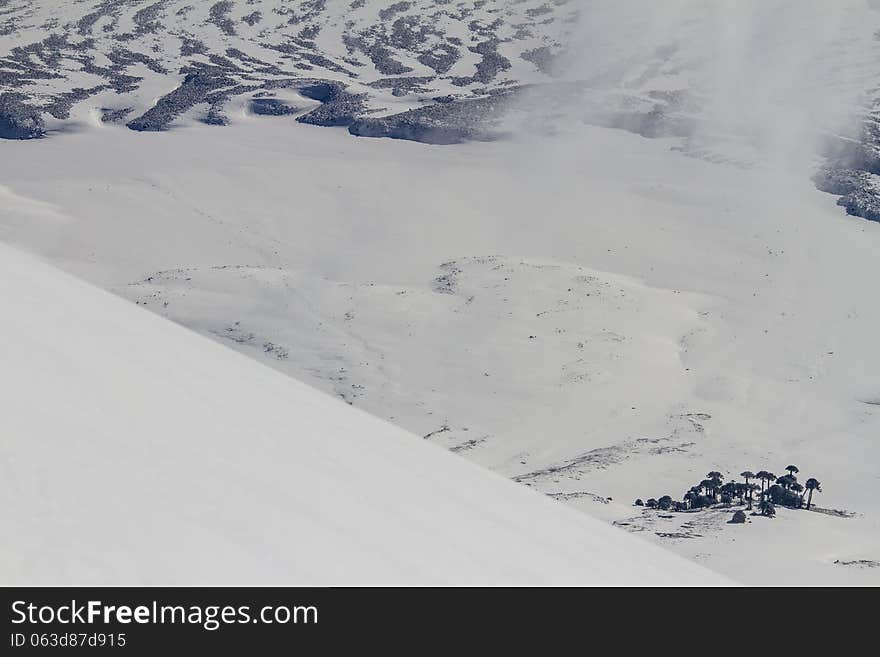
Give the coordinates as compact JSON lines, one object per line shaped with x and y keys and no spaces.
{"x":134,"y":451}
{"x":153,"y":64}
{"x":754,"y":75}
{"x":596,"y":316}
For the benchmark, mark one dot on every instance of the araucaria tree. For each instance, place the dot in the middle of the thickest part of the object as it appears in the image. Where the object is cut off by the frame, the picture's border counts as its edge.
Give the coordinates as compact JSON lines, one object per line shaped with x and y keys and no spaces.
{"x":729,"y":491}
{"x":706,"y":485}
{"x":786,"y":481}
{"x":762,"y":477}
{"x":767,"y":508}
{"x":748,"y":474}
{"x":812,"y":485}
{"x":765,"y":477}
{"x":798,"y":490}
{"x":775,"y":491}
{"x":715,"y":481}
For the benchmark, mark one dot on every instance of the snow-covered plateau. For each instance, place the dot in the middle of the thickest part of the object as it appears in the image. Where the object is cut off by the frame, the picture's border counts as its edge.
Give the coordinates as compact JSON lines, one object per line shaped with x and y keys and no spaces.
{"x":603,"y":285}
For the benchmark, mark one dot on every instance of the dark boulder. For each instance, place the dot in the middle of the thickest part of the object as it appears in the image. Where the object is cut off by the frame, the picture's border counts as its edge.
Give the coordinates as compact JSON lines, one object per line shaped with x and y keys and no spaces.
{"x":738,"y":518}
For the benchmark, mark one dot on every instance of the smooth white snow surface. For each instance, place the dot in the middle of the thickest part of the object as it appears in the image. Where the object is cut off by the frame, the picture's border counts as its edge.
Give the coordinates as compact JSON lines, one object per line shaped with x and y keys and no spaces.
{"x":134,"y":451}
{"x":614,"y":320}
{"x":595,"y":315}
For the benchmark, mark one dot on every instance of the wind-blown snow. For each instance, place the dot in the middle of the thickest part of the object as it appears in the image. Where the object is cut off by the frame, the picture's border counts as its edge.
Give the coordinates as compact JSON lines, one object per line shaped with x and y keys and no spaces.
{"x":137,"y":452}
{"x":746,"y":79}
{"x":596,"y":316}
{"x":593,"y":314}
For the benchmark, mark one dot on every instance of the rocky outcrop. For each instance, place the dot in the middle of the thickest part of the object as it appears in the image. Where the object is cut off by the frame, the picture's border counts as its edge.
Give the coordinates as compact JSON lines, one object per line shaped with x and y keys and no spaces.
{"x":18,"y":120}
{"x":449,"y":122}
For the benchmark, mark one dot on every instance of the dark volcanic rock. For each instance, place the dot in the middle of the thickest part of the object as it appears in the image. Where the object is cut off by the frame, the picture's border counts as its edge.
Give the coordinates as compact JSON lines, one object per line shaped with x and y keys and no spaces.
{"x":19,"y":120}
{"x":851,"y":164}
{"x":219,"y":16}
{"x":490,"y":66}
{"x":339,"y":108}
{"x":253,"y":18}
{"x":388,"y":12}
{"x":402,"y":85}
{"x":441,"y":59}
{"x":195,"y":89}
{"x":61,"y":105}
{"x":543,"y":59}
{"x":109,"y":115}
{"x":840,"y":181}
{"x":858,"y":196}
{"x":864,"y":203}
{"x":272,"y":107}
{"x":323,"y":92}
{"x":228,"y":48}
{"x":446,"y":123}
{"x":861,"y":151}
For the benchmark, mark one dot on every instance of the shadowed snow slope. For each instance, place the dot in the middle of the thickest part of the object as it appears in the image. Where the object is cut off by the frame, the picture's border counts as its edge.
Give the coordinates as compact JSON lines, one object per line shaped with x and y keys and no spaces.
{"x":135,"y":451}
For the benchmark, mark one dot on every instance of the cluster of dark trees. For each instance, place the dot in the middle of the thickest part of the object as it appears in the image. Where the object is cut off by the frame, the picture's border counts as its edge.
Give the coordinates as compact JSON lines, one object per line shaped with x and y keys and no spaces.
{"x":783,"y":491}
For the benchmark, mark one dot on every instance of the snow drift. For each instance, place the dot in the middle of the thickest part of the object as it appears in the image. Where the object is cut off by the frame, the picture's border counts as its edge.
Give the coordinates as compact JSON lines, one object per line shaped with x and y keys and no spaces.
{"x":136,"y":452}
